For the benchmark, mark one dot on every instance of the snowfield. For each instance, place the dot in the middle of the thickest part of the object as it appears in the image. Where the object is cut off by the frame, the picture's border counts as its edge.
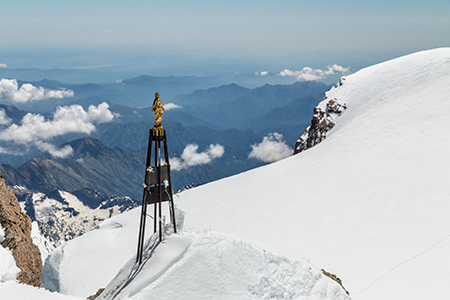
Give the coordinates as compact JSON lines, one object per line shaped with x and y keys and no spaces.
{"x":370,"y":204}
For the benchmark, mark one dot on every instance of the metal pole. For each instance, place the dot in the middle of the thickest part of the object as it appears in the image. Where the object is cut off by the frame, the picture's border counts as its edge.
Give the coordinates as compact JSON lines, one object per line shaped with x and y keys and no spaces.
{"x":139,"y":253}
{"x":160,"y":193}
{"x":172,"y":206}
{"x":157,"y":176}
{"x":141,"y":236}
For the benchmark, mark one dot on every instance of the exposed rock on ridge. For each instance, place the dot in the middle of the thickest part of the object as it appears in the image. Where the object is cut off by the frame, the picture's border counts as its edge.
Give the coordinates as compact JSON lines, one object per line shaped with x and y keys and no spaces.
{"x":17,"y":227}
{"x":323,"y":120}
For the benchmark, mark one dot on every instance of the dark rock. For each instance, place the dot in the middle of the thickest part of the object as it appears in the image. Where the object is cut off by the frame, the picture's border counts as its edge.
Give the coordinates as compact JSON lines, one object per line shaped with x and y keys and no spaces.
{"x":335,"y":278}
{"x":18,"y":237}
{"x":322,"y":122}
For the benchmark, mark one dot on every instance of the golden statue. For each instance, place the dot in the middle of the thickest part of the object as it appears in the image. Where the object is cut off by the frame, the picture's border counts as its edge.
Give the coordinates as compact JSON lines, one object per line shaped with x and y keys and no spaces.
{"x":158,"y":109}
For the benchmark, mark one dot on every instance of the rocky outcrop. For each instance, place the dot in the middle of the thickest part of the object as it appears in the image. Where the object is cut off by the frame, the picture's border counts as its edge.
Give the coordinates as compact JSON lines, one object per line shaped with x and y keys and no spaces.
{"x":335,"y":278}
{"x":322,"y":122}
{"x":99,"y":292}
{"x":17,"y":227}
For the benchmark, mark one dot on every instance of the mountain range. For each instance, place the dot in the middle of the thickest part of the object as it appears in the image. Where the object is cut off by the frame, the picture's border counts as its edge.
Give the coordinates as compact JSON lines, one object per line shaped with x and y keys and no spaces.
{"x":238,"y":111}
{"x":117,"y":171}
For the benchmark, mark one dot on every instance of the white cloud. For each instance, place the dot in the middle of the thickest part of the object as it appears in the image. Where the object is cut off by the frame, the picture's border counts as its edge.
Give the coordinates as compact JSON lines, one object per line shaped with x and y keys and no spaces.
{"x":310,"y":74}
{"x":10,"y":91}
{"x":34,"y":129}
{"x":4,"y":120}
{"x":3,"y":65}
{"x":262,"y":73}
{"x":7,"y":151}
{"x":271,"y":149}
{"x":190,"y":157}
{"x":169,"y":106}
{"x":334,"y":69}
{"x":60,"y":153}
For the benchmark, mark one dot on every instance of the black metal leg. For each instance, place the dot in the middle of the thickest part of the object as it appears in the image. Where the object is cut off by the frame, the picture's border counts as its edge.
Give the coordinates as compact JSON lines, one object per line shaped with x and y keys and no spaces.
{"x":139,"y":251}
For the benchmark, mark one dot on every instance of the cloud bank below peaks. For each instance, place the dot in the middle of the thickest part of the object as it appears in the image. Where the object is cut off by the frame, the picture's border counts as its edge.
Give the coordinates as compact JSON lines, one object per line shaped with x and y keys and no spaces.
{"x":35,"y":130}
{"x":310,"y":74}
{"x":271,"y":149}
{"x":190,"y":157}
{"x":10,"y":91}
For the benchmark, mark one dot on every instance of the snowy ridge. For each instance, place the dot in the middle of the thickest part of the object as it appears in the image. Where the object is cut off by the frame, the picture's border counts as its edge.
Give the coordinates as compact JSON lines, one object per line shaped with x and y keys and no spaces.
{"x":207,"y":265}
{"x":188,"y":265}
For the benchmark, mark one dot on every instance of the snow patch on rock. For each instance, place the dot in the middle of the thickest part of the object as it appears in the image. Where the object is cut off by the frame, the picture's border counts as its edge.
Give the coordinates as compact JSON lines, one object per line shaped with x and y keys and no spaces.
{"x":8,"y":267}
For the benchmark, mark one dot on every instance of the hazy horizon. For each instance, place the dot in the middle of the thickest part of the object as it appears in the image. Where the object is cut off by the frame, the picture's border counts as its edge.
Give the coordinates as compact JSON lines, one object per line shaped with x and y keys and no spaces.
{"x":119,"y":40}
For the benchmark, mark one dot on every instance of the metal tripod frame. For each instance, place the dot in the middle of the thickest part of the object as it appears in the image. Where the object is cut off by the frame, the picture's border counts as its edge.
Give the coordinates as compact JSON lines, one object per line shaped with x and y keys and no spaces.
{"x":157,"y":188}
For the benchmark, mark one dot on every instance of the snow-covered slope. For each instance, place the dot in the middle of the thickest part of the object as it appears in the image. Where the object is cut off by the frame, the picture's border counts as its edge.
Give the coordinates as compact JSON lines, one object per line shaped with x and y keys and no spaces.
{"x":371,"y":202}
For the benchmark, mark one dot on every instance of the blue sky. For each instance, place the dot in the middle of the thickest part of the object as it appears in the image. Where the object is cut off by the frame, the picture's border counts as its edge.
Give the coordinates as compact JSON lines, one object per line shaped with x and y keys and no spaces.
{"x":203,"y":37}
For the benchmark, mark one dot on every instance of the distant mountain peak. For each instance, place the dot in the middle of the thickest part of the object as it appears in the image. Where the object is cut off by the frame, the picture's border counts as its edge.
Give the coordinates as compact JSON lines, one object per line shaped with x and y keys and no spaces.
{"x":87,"y":145}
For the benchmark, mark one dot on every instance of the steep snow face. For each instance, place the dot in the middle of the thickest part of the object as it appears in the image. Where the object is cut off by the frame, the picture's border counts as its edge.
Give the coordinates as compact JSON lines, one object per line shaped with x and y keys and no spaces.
{"x":370,"y":203}
{"x":62,"y":216}
{"x":206,"y":265}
